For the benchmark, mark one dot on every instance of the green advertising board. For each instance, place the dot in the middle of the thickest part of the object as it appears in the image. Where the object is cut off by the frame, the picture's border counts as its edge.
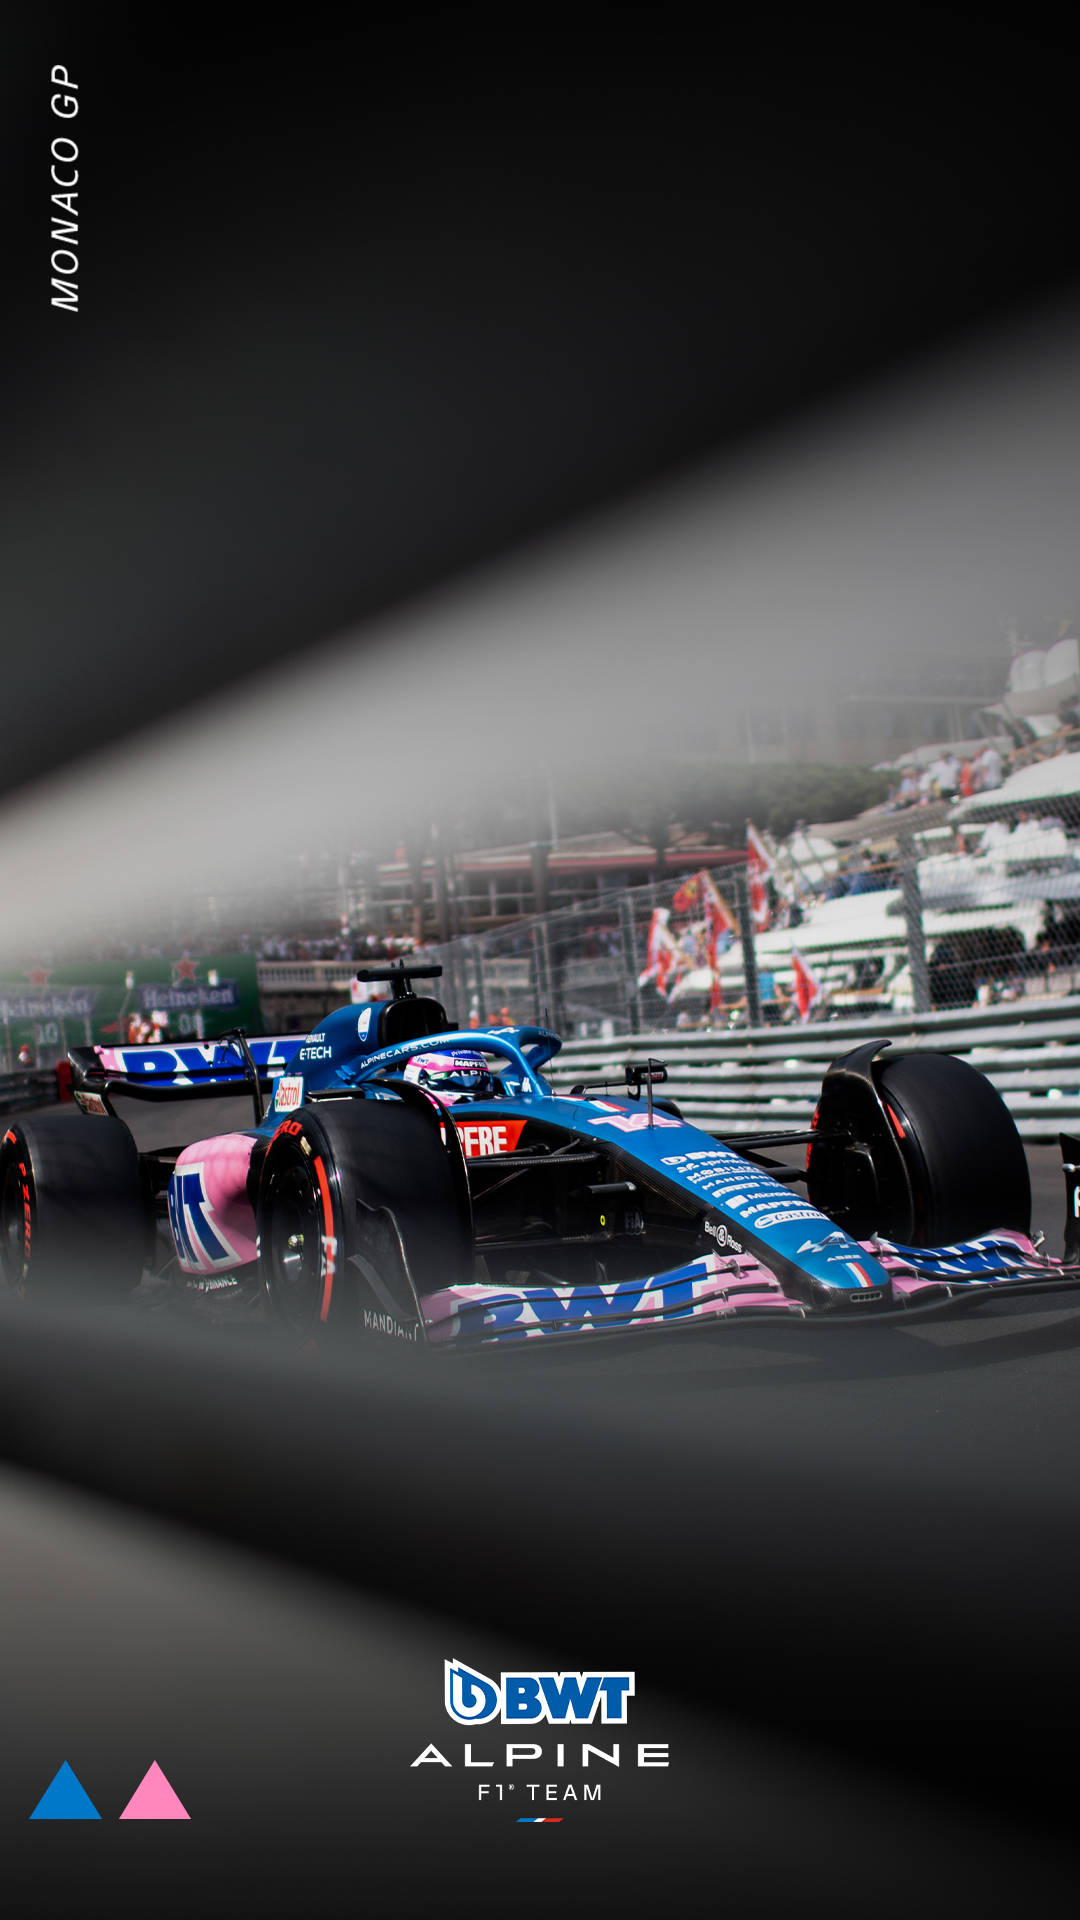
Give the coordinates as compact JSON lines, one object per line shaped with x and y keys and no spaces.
{"x":87,"y":1003}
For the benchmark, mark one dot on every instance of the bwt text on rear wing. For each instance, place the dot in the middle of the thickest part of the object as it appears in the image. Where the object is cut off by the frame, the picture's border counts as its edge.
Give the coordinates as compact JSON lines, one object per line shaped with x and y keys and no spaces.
{"x":187,"y":1069}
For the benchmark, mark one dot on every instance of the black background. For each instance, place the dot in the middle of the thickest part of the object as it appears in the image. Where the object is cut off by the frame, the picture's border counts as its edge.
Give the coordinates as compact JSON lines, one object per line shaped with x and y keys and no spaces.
{"x":359,"y":310}
{"x":362,"y":308}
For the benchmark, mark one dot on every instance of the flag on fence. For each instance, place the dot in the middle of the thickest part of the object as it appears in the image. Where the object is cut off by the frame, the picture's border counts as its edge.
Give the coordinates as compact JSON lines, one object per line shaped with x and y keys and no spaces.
{"x":662,"y":956}
{"x":719,"y":919}
{"x":808,"y":988}
{"x":721,"y":928}
{"x":688,"y":896}
{"x":759,"y":867}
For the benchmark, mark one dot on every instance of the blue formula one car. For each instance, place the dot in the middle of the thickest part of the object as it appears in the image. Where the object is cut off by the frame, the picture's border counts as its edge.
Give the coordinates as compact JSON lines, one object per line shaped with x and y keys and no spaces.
{"x":412,"y":1182}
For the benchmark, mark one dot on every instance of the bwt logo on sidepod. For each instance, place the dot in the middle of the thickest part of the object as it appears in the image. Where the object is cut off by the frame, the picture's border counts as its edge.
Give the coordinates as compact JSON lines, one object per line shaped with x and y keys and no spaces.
{"x":523,"y":1699}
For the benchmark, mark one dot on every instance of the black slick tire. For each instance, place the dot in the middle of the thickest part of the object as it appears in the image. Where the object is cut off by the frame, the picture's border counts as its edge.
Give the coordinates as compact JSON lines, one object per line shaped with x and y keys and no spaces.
{"x":360,"y":1208}
{"x":74,"y":1210}
{"x":964,"y":1156}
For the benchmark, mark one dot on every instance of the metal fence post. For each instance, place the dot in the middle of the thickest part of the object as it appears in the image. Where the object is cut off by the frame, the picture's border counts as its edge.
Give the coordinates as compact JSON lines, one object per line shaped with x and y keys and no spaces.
{"x":749,"y":951}
{"x":534,"y":941}
{"x":541,"y":971}
{"x":631,"y":970}
{"x":478,"y":977}
{"x":911,"y":900}
{"x":556,"y":1012}
{"x":456,"y":953}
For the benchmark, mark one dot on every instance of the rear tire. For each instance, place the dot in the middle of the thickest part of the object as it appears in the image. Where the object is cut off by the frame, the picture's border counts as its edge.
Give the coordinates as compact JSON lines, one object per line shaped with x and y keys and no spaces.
{"x":74,"y":1209}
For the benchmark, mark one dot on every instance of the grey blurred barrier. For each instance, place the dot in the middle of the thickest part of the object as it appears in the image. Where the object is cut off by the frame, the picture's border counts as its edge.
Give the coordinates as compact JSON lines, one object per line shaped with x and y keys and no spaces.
{"x":730,"y":1082}
{"x":35,"y":1088}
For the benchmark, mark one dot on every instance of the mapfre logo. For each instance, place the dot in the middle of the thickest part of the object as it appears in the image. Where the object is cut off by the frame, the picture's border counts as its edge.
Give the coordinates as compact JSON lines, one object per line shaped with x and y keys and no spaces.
{"x":481,"y":1137}
{"x":525,"y":1699}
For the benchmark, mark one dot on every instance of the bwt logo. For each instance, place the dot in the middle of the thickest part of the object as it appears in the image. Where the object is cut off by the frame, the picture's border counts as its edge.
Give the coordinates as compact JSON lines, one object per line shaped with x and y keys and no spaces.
{"x":523,"y":1699}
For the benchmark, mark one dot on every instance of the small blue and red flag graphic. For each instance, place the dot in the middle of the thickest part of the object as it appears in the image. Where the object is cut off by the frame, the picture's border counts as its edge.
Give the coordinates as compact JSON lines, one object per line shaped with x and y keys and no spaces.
{"x":539,"y":1820}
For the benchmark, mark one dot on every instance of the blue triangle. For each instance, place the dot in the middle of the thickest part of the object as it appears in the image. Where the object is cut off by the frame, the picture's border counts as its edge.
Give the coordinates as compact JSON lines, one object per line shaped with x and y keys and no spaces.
{"x":65,"y":1799}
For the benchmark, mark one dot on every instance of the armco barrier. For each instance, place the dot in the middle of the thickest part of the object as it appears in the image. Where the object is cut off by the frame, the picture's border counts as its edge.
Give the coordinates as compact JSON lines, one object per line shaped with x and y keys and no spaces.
{"x":35,"y":1088}
{"x":764,"y":1076}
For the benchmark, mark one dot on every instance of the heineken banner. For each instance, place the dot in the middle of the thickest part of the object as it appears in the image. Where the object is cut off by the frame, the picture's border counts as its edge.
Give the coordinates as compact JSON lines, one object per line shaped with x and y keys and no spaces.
{"x":44,"y":1010}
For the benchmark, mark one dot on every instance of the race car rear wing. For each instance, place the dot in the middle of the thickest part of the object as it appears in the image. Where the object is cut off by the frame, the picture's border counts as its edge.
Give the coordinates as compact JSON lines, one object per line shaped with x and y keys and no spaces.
{"x":187,"y":1069}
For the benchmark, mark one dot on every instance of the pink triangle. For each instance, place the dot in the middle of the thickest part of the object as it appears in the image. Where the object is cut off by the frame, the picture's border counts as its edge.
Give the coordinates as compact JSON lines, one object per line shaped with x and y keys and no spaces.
{"x":154,"y":1799}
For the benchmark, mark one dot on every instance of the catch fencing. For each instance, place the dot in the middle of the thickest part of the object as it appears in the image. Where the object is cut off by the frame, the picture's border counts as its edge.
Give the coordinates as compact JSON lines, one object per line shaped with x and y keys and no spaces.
{"x":956,"y":918}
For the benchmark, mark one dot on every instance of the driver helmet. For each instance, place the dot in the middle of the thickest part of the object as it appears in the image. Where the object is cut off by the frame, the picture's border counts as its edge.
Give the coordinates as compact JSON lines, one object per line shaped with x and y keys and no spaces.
{"x":451,"y":1076}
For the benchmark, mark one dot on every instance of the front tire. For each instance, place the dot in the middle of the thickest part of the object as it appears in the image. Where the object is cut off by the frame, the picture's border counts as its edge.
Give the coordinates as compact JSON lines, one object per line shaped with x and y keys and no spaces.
{"x":969,"y":1172}
{"x":918,"y":1147}
{"x":360,"y":1211}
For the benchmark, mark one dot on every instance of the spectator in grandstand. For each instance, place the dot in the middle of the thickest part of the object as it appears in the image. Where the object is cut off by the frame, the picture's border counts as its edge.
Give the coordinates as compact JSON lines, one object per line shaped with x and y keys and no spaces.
{"x":1042,"y":956}
{"x":945,"y":775}
{"x":776,"y":1004}
{"x":995,"y":835}
{"x":840,"y":884}
{"x":988,"y":769}
{"x":1025,"y":828}
{"x":878,"y":873}
{"x":952,"y":973}
{"x":866,"y":973}
{"x":1065,"y":935}
{"x":1068,"y":715}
